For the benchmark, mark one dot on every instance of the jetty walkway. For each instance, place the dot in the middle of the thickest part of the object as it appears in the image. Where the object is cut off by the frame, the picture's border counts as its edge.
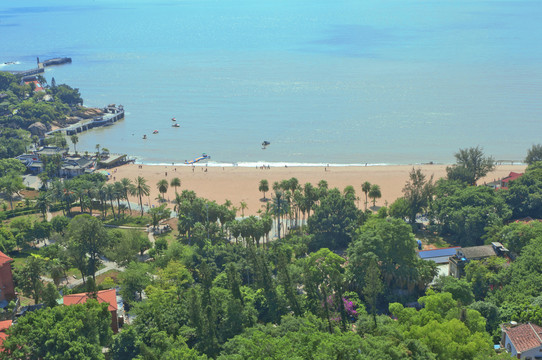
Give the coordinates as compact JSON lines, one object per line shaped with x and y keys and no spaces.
{"x":111,"y":115}
{"x":41,"y":66}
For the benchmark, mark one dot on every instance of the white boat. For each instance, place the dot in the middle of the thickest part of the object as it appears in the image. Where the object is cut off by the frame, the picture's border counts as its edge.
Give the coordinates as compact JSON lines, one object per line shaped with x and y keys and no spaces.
{"x":175,"y":125}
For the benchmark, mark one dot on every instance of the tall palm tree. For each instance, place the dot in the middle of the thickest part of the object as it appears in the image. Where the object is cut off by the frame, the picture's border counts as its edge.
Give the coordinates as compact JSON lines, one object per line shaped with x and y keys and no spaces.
{"x":264,"y":187}
{"x":110,"y":191}
{"x":243,"y":207}
{"x":68,"y":195}
{"x":175,"y":182}
{"x":75,"y":139}
{"x":366,"y":187}
{"x":375,"y":193}
{"x":92,"y":191}
{"x":126,"y":185}
{"x":140,"y":189}
{"x":162,"y":186}
{"x":42,"y":204}
{"x":279,"y":208}
{"x":119,"y":194}
{"x":102,"y":195}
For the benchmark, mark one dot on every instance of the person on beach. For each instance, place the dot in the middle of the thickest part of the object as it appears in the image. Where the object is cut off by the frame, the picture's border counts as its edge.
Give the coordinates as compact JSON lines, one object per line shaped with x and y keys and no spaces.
{"x":166,"y":173}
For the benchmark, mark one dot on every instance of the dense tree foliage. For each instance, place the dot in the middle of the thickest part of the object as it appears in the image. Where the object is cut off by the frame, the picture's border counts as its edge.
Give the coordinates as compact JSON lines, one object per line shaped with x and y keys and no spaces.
{"x":74,"y":332}
{"x":471,"y":165}
{"x":464,"y":212}
{"x":534,"y":154}
{"x":334,"y":221}
{"x":525,"y":193}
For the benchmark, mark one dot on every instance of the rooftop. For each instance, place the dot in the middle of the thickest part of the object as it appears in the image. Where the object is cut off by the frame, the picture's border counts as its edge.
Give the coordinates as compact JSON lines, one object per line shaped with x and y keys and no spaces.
{"x":475,"y":252}
{"x":104,"y":296}
{"x":4,"y":325}
{"x":524,"y":337}
{"x":439,"y":256}
{"x":4,"y":258}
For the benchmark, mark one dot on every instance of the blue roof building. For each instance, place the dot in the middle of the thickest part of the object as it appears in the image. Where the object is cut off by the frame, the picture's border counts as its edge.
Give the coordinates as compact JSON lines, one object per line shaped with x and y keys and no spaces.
{"x":440,"y":256}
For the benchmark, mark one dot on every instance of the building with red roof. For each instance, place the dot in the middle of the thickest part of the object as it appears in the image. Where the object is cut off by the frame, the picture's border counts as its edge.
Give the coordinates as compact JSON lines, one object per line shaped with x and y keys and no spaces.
{"x":522,"y":341}
{"x":104,"y":296}
{"x":7,"y":289}
{"x":4,"y":325}
{"x":511,"y":177}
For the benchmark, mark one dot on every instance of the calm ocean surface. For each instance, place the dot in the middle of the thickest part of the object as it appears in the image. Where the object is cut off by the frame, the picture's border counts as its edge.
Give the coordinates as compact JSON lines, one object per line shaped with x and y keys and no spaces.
{"x":325,"y":81}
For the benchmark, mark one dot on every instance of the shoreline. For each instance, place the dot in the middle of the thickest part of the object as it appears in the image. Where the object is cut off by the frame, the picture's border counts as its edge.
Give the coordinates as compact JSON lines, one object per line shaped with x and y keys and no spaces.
{"x":240,"y":183}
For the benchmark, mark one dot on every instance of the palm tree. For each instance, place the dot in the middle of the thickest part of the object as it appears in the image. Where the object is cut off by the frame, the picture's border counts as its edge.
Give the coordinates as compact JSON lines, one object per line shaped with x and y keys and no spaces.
{"x":119,"y":194}
{"x":126,"y":185}
{"x":366,"y":187}
{"x":42,"y":204}
{"x":110,"y":191}
{"x":162,"y":186}
{"x":68,"y":195}
{"x":175,"y":182}
{"x":264,"y":187}
{"x":280,"y":207}
{"x":375,"y":193}
{"x":75,"y":139}
{"x":243,"y":207}
{"x":140,"y":189}
{"x":102,"y":195}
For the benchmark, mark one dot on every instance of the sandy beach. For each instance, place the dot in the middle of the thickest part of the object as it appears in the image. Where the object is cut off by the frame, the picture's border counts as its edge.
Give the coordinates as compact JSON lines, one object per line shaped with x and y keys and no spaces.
{"x":241,"y":183}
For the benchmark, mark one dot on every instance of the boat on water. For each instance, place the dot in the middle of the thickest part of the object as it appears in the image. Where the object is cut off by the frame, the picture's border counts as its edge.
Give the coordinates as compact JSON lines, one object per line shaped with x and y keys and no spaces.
{"x":155,"y":132}
{"x":204,"y":156}
{"x":173,"y":119}
{"x":175,"y":125}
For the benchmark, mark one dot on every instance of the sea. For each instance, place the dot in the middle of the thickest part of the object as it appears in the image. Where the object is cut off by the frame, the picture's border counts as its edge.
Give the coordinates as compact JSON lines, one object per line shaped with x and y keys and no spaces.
{"x":339,"y":82}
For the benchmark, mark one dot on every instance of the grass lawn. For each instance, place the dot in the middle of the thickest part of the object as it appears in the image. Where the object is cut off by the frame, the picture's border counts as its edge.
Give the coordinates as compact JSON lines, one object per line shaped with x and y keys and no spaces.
{"x":134,"y":221}
{"x":32,"y":217}
{"x":74,"y":271}
{"x":431,"y":241}
{"x":113,"y":274}
{"x":20,"y":257}
{"x":170,"y":237}
{"x":25,"y":301}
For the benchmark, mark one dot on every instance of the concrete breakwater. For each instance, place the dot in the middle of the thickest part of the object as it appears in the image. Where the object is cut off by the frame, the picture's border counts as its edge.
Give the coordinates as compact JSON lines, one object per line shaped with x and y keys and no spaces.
{"x":41,"y":66}
{"x":111,"y":115}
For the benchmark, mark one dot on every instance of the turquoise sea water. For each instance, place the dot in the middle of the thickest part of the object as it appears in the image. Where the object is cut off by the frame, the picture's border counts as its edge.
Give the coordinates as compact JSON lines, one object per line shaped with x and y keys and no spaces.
{"x":325,"y":81}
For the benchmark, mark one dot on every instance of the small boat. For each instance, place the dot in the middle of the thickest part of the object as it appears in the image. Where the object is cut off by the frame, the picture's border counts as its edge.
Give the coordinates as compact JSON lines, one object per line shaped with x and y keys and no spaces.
{"x":175,"y":125}
{"x":144,"y":137}
{"x":173,"y":119}
{"x":203,"y":156}
{"x":155,"y":132}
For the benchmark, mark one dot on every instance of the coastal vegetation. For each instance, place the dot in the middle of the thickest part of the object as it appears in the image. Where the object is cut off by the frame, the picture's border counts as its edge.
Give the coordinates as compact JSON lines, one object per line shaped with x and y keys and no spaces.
{"x":22,"y":105}
{"x":315,"y":275}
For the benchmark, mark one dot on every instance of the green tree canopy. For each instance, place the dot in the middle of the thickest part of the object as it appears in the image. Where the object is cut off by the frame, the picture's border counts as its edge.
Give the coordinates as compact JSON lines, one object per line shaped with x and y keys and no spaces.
{"x":62,"y":332}
{"x":464,"y":212}
{"x":534,"y":154}
{"x":471,"y":165}
{"x":333,"y":221}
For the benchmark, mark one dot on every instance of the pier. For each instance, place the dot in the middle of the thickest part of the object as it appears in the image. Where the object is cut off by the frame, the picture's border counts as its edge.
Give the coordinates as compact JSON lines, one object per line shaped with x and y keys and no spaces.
{"x":41,"y":66}
{"x":111,"y":115}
